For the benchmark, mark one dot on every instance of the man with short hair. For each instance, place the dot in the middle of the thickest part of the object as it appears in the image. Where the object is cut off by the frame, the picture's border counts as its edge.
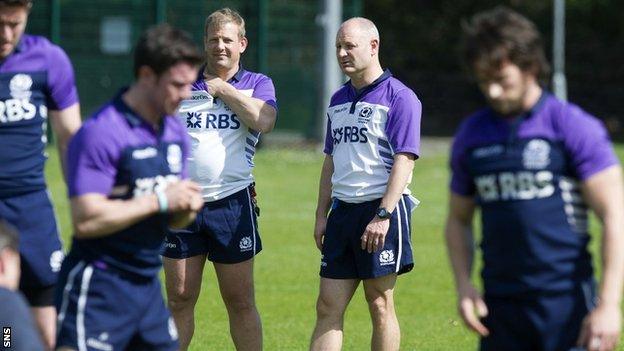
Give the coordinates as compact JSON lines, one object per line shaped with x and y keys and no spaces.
{"x":533,"y":164}
{"x":372,"y":141}
{"x":36,"y":80}
{"x":228,"y":109}
{"x":14,"y":312}
{"x":126,"y":182}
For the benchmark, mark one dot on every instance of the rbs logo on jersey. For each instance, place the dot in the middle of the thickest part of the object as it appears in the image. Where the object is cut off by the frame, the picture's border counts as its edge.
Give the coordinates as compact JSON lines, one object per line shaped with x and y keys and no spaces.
{"x":13,"y":110}
{"x":507,"y":186}
{"x":350,"y":135}
{"x":196,"y":120}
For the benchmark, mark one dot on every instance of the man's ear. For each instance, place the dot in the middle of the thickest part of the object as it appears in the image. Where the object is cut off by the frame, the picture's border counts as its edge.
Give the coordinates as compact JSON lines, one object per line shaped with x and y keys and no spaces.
{"x":243,"y":44}
{"x":374,"y":46}
{"x":146,"y":75}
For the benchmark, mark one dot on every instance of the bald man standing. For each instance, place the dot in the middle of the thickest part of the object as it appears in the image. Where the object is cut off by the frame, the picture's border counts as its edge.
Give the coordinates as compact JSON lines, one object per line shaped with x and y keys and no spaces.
{"x":372,"y":141}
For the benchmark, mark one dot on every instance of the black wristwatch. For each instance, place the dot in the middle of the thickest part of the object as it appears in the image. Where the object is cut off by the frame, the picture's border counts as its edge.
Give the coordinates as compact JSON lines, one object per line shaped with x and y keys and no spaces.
{"x":383,"y":213}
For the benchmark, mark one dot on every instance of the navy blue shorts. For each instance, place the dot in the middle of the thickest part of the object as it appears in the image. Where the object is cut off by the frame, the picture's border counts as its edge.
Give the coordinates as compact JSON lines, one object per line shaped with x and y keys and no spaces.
{"x":226,"y":230}
{"x":100,"y":309}
{"x":41,"y":250}
{"x":545,"y":323}
{"x":343,"y":257}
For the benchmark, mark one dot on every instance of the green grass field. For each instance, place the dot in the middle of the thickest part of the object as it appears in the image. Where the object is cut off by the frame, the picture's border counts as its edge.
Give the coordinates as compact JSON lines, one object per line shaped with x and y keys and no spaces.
{"x":287,"y":269}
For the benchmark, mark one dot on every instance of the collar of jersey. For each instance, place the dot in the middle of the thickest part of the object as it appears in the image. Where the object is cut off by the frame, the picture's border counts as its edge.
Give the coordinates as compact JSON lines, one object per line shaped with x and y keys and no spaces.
{"x":133,"y":118}
{"x":358,"y":95}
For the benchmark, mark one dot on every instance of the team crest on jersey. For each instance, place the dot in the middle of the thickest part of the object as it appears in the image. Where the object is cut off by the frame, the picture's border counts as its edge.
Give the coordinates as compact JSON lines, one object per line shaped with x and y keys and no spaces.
{"x":365,"y":114}
{"x":536,"y":154}
{"x":174,"y":158}
{"x":245,"y":244}
{"x":20,"y":86}
{"x":386,"y":257}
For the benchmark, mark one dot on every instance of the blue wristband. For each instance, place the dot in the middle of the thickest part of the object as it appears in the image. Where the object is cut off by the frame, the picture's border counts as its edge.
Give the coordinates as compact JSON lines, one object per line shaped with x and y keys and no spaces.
{"x":163,"y":204}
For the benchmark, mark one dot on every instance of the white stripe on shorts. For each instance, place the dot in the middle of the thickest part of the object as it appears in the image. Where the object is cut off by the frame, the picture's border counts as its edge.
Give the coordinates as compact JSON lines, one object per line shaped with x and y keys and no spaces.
{"x":68,"y":286}
{"x":82,"y":303}
{"x":400,"y":251}
{"x":251,"y":217}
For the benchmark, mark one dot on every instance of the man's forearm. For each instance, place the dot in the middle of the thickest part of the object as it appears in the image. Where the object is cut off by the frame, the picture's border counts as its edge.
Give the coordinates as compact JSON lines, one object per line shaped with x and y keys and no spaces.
{"x":97,"y":217}
{"x":459,"y":244}
{"x":399,"y":176}
{"x":254,"y":113}
{"x":613,"y":261}
{"x":324,"y":196}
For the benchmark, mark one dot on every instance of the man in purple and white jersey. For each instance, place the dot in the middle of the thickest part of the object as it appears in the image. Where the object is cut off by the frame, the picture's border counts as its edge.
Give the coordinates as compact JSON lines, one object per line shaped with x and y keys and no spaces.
{"x":228,"y":109}
{"x":533,"y":164}
{"x":372,"y":141}
{"x":126,"y":182}
{"x":36,"y":80}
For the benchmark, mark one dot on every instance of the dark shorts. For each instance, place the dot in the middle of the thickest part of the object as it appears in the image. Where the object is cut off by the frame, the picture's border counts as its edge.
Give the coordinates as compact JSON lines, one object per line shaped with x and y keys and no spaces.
{"x":545,"y":323}
{"x":41,"y":250}
{"x":99,"y":309}
{"x":342,"y":254}
{"x":226,"y":230}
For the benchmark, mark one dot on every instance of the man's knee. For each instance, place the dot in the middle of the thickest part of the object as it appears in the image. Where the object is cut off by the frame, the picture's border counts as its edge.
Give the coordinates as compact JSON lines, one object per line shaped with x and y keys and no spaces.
{"x":181,"y":298}
{"x":329,"y":307}
{"x":239,"y":301}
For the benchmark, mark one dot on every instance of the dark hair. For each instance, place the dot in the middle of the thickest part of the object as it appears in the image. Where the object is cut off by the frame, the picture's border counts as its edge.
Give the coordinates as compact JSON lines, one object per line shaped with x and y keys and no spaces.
{"x":25,"y":3}
{"x":8,"y":236}
{"x":494,"y":36}
{"x":163,"y":46}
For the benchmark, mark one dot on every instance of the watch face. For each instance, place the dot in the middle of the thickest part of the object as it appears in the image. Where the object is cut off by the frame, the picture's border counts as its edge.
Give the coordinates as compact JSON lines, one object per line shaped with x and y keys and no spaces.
{"x":383,"y":213}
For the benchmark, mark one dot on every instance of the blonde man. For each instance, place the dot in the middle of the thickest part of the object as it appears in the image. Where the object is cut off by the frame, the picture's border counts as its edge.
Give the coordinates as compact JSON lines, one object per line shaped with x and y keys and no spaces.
{"x":225,"y":115}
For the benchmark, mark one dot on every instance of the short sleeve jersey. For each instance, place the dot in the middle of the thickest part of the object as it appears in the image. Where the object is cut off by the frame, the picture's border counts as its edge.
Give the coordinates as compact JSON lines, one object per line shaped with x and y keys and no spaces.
{"x":222,"y":147}
{"x":365,"y":129}
{"x":525,"y":174}
{"x":36,"y":77}
{"x":118,"y":154}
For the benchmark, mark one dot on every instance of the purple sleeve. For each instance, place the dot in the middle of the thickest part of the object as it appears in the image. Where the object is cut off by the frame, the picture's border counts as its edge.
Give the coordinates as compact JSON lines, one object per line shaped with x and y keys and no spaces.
{"x":461,"y":181}
{"x":403,"y":125}
{"x":587,"y":142}
{"x":329,"y":140}
{"x":61,"y":83}
{"x":91,"y":163}
{"x":265,"y":91}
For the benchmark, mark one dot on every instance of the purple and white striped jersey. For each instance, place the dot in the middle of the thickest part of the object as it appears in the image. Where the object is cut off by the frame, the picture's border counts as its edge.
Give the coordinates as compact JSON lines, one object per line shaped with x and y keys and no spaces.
{"x":222,"y":147}
{"x":365,"y":129}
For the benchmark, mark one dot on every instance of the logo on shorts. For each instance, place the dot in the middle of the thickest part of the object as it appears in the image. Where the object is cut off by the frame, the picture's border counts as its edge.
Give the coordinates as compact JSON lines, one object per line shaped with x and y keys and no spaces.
{"x":173,"y":331}
{"x":20,"y":86}
{"x":100,"y":343}
{"x":245,"y":244}
{"x":536,"y":154}
{"x":386,"y":257}
{"x":323,"y":263}
{"x":56,"y":259}
{"x":174,"y":158}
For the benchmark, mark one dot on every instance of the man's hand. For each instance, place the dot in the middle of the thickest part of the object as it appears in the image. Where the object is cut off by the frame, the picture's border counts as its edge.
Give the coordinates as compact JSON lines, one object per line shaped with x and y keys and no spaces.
{"x":601,"y":328}
{"x":471,"y":307}
{"x":214,"y":84}
{"x":183,"y":196}
{"x":319,"y":231}
{"x":374,"y":236}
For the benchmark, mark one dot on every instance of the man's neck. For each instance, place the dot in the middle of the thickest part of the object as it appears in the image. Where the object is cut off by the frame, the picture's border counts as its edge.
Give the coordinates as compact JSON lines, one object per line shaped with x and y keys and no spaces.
{"x":367,"y":77}
{"x":533,"y":94}
{"x":138,"y":101}
{"x":224,"y":73}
